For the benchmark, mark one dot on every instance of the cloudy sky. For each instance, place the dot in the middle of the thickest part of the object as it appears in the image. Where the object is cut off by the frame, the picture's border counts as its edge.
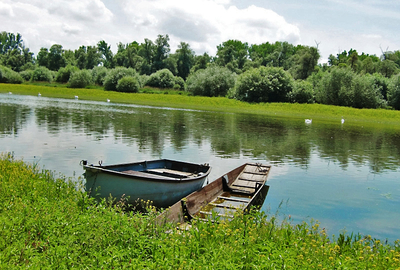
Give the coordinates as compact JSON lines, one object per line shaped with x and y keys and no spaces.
{"x":335,"y":25}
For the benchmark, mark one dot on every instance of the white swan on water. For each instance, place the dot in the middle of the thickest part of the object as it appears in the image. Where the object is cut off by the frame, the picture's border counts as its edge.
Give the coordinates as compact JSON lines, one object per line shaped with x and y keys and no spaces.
{"x":342,"y":121}
{"x":76,"y":97}
{"x":308,"y":121}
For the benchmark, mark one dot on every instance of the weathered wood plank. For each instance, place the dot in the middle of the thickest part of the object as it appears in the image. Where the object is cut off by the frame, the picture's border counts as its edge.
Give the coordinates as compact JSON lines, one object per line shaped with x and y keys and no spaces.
{"x":147,"y":175}
{"x":169,"y":171}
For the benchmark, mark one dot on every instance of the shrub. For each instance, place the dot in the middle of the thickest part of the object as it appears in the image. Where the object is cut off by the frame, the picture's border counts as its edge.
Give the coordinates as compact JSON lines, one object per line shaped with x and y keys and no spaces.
{"x":394,"y":92}
{"x":64,"y":73}
{"x":114,"y":75}
{"x":26,"y":74}
{"x":264,"y":84}
{"x":142,"y":79}
{"x":80,"y":79}
{"x":162,"y":79}
{"x":41,"y":74}
{"x":382,"y":83}
{"x":213,"y":81}
{"x":302,"y":92}
{"x":10,"y":76}
{"x":335,"y":87}
{"x":99,"y":74}
{"x":179,"y":83}
{"x":128,"y":84}
{"x":366,"y":94}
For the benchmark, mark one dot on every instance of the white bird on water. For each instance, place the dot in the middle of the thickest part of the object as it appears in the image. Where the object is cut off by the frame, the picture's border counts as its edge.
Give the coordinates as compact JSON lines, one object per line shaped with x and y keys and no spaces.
{"x":342,"y":121}
{"x":76,"y":97}
{"x":108,"y":100}
{"x":10,"y":93}
{"x":39,"y":95}
{"x":308,"y":121}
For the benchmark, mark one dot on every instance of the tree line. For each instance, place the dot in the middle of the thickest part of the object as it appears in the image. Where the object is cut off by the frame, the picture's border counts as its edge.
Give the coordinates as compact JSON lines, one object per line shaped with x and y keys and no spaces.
{"x":268,"y":72}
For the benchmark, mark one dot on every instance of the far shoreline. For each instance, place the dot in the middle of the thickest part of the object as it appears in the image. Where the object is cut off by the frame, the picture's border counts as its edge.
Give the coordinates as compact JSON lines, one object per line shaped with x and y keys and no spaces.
{"x":383,"y":118}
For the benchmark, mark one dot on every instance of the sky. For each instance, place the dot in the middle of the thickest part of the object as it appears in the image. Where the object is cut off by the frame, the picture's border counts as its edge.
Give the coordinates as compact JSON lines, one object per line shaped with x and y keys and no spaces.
{"x":368,"y":26}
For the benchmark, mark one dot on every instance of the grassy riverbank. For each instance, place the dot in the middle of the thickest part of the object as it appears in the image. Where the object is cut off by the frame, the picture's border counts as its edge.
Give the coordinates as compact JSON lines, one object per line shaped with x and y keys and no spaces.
{"x":179,"y":99}
{"x":47,"y":224}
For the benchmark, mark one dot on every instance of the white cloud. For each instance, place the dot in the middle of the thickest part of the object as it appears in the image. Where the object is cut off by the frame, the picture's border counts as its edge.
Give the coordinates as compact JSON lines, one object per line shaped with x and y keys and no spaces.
{"x":204,"y":24}
{"x":6,"y":10}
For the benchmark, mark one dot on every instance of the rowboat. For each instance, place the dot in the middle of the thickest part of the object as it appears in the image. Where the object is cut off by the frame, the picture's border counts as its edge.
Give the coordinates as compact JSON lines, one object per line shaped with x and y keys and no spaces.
{"x":162,"y":182}
{"x":235,"y":191}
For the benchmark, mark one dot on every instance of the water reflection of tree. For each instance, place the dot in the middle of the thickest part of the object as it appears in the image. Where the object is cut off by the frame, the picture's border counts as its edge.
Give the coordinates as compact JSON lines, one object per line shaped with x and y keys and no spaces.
{"x":12,"y":118}
{"x":360,"y":146}
{"x":230,"y":135}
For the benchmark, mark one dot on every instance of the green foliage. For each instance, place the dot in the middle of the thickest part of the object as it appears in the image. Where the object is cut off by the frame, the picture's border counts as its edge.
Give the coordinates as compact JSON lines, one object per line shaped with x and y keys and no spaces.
{"x":388,"y":68}
{"x":114,"y":75}
{"x":343,"y":87}
{"x":200,"y":62}
{"x":161,"y":51}
{"x":304,"y":62}
{"x":179,"y":83}
{"x":264,"y":84}
{"x":382,"y":83}
{"x":128,"y":84}
{"x":8,"y":75}
{"x":213,"y":81}
{"x":63,"y":75}
{"x":142,"y":79}
{"x":279,"y":54}
{"x":232,"y":54}
{"x":394,"y":92}
{"x":99,"y":74}
{"x":302,"y":92}
{"x":42,"y":74}
{"x":87,"y":57}
{"x":26,"y":74}
{"x":55,"y":58}
{"x":162,"y":79}
{"x":106,"y":54}
{"x":185,"y":59}
{"x":366,"y":94}
{"x":80,"y":79}
{"x":335,"y":87}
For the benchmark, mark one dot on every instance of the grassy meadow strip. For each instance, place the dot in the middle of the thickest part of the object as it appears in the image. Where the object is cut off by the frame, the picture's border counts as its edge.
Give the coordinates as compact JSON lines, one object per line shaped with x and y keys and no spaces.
{"x":180,"y":99}
{"x":46,"y":223}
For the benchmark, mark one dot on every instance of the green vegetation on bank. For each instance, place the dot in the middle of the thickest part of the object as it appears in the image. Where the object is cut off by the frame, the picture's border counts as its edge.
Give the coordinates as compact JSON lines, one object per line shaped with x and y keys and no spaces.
{"x":46,"y":223}
{"x":267,"y":72}
{"x":180,"y":99}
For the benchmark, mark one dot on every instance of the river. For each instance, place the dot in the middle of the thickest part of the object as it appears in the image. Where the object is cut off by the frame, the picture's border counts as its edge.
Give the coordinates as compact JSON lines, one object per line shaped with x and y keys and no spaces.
{"x":344,"y":176}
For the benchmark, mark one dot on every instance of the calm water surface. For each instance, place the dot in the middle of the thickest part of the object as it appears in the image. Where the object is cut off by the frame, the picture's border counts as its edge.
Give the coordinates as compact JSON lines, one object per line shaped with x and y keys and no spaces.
{"x":345,"y":177}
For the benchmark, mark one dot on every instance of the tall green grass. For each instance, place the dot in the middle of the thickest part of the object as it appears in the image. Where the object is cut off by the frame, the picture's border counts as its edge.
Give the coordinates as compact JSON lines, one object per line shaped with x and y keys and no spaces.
{"x":47,"y":223}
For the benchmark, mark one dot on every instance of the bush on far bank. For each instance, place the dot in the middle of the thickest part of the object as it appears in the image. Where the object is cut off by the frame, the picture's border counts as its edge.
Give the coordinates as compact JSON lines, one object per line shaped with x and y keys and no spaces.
{"x":114,"y":75}
{"x":42,"y":74}
{"x":214,"y":81}
{"x":8,"y":75}
{"x":80,"y":79}
{"x":128,"y":84}
{"x":161,"y":79}
{"x":264,"y":84}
